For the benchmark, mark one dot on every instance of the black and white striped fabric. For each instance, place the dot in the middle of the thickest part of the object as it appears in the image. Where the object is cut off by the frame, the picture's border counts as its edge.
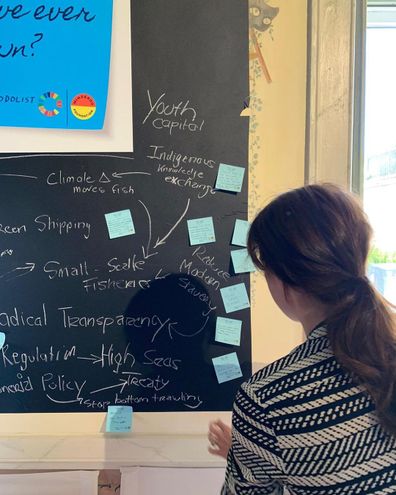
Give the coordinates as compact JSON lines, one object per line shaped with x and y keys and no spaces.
{"x":301,"y":423}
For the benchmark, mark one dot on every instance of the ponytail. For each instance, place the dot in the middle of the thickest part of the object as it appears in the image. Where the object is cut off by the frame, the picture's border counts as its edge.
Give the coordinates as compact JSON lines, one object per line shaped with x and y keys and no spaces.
{"x":316,"y":239}
{"x":362,"y":336}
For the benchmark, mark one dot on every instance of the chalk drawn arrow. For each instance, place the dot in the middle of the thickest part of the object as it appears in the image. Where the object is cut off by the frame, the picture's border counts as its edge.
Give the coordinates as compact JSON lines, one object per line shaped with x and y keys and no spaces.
{"x":20,"y":271}
{"x":193,"y":334}
{"x":146,"y":249}
{"x":159,"y":241}
{"x":123,"y":383}
{"x":120,"y":175}
{"x":181,"y":334}
{"x":158,"y":275}
{"x":19,"y":176}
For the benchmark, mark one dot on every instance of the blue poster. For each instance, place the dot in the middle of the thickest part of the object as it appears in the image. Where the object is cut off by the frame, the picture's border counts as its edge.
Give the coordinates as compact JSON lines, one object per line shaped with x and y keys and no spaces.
{"x":54,"y":63}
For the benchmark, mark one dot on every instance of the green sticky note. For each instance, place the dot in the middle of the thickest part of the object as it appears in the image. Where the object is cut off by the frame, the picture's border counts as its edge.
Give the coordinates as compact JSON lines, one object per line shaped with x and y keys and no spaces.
{"x":119,"y":223}
{"x":242,"y":262}
{"x":119,"y":419}
{"x":235,"y":298}
{"x":201,"y":231}
{"x":2,"y":339}
{"x":227,"y":367}
{"x":241,"y":230}
{"x":230,"y":178}
{"x":228,"y":331}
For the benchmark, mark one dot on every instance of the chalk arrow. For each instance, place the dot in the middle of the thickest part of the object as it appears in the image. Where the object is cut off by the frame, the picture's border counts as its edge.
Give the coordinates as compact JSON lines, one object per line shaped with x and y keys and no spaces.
{"x":146,"y":254}
{"x":193,"y":334}
{"x":20,"y":176}
{"x":20,"y":271}
{"x":159,"y":241}
{"x":120,"y":175}
{"x":158,"y":276}
{"x":146,"y":248}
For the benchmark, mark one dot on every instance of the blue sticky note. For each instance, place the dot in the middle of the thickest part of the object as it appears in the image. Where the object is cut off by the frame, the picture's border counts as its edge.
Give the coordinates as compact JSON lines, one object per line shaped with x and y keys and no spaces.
{"x":2,"y":339}
{"x":227,"y":367}
{"x":119,"y":223}
{"x":242,"y":261}
{"x":235,"y":298}
{"x":201,"y":231}
{"x":56,"y":56}
{"x":228,"y":331}
{"x":241,"y":230}
{"x":230,"y":178}
{"x":119,"y":419}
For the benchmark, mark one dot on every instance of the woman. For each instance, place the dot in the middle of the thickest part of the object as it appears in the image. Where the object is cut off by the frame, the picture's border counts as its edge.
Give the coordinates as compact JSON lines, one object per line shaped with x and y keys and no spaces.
{"x":321,"y":420}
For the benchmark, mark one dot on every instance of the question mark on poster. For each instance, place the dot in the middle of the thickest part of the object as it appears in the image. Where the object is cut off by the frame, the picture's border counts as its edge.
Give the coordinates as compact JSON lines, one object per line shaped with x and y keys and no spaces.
{"x":32,"y":45}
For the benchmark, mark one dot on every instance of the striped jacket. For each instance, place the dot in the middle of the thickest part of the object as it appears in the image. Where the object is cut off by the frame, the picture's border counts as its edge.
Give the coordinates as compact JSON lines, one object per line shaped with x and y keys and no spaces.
{"x":301,"y":423}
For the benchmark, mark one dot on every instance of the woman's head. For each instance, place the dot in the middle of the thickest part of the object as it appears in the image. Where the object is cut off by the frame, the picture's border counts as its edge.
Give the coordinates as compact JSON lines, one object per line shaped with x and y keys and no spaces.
{"x":315,"y":240}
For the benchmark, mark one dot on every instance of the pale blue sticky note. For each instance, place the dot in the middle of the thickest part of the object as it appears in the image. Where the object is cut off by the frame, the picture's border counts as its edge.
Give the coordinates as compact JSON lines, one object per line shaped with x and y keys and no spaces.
{"x":228,"y":331}
{"x":235,"y":298}
{"x":230,"y":178}
{"x":241,"y":230}
{"x":119,"y":419}
{"x":242,"y":261}
{"x":2,"y":339}
{"x":227,"y":367}
{"x":201,"y":231}
{"x":119,"y":223}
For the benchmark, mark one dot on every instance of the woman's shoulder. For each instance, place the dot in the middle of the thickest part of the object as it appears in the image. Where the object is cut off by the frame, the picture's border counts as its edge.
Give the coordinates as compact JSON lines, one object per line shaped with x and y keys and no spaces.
{"x":310,"y":353}
{"x":311,"y":362}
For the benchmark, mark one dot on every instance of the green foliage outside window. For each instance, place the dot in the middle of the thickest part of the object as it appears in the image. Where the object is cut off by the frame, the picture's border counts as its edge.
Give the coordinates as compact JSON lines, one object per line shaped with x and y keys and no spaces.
{"x":376,"y":255}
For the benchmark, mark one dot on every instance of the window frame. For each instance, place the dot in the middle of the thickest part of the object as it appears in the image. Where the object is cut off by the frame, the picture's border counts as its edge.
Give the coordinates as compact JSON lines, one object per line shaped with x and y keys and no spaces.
{"x":335,"y":92}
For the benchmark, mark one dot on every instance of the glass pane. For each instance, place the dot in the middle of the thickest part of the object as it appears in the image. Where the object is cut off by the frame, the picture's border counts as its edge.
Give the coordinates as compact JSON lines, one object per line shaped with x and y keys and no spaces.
{"x":380,"y":147}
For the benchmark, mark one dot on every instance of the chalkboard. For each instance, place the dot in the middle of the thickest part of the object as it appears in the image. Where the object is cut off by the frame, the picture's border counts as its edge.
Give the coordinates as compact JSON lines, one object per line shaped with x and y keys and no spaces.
{"x":92,"y":321}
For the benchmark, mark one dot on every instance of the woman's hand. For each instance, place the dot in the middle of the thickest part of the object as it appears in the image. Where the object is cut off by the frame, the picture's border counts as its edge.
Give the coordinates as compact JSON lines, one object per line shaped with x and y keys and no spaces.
{"x":219,"y":436}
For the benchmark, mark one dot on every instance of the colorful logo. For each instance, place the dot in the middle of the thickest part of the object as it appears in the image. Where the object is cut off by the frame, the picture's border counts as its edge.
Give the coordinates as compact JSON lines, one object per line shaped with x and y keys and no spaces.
{"x":49,"y":103}
{"x":83,"y":106}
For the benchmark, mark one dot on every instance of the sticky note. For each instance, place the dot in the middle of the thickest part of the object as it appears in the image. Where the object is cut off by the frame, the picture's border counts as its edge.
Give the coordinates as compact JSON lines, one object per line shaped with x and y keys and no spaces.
{"x":119,"y":224}
{"x":242,"y":261}
{"x":119,"y":419}
{"x":57,"y":60}
{"x":201,"y":231}
{"x":227,"y":367}
{"x":228,"y":331}
{"x":235,"y":298}
{"x":230,"y":178}
{"x":2,"y":339}
{"x":241,"y":230}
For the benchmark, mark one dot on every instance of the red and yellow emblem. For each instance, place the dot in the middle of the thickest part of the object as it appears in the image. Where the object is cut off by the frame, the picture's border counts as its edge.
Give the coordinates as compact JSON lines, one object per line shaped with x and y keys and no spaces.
{"x":83,"y":106}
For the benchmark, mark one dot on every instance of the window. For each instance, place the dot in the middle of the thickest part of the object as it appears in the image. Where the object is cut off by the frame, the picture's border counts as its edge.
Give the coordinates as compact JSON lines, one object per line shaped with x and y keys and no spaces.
{"x":379,"y":185}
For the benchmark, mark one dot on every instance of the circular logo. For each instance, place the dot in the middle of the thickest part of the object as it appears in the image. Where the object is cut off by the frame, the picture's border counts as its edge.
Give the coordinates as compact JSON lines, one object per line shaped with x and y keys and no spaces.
{"x":83,"y":106}
{"x":50,"y":104}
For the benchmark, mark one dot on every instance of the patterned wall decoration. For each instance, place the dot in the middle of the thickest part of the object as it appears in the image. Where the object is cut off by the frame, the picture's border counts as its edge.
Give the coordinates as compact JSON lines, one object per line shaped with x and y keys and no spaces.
{"x":262,"y":18}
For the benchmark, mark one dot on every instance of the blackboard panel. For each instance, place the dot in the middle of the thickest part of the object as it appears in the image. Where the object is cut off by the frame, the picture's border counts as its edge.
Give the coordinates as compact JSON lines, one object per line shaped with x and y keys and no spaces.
{"x":92,"y":321}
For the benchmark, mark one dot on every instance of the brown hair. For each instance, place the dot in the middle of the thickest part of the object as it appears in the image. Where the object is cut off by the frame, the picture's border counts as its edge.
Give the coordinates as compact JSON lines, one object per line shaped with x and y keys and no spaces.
{"x":316,"y":238}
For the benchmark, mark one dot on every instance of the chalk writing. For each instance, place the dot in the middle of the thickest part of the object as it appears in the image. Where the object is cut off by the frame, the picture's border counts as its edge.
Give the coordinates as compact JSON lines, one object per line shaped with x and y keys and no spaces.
{"x":23,"y":385}
{"x":17,"y":318}
{"x":105,"y":322}
{"x":54,"y":269}
{"x":177,"y":159}
{"x":24,"y":360}
{"x":171,"y":116}
{"x":108,"y":357}
{"x":45,"y":223}
{"x":194,"y":292}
